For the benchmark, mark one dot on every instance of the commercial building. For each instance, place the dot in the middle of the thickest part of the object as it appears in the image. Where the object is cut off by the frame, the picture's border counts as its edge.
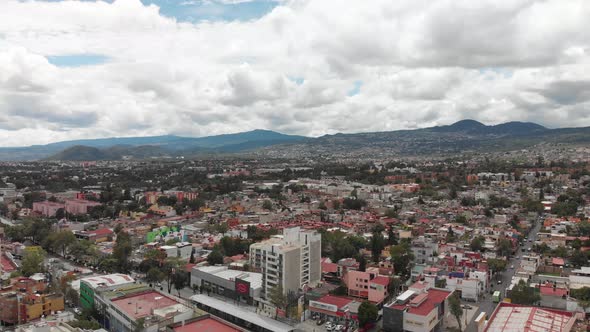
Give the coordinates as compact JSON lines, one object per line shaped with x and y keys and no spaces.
{"x":514,"y":317}
{"x":95,"y":236}
{"x":179,"y":249}
{"x":146,"y":310}
{"x":291,"y":260}
{"x":205,"y":323}
{"x":233,"y":284}
{"x":89,"y":286}
{"x":336,"y":309}
{"x":417,"y":311}
{"x":239,"y":315}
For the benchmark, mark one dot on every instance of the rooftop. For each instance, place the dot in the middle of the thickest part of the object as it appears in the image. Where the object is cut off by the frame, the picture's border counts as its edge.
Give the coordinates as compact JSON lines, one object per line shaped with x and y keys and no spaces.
{"x":242,"y":313}
{"x":207,"y":324}
{"x":338,"y":301}
{"x":109,"y":280}
{"x":434,"y":298}
{"x":255,"y":279}
{"x":380,"y":280}
{"x":513,"y":317}
{"x":144,"y":304}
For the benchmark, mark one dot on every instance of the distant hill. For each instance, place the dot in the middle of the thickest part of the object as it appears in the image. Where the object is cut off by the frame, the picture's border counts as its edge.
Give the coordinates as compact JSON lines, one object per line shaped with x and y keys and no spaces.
{"x":143,"y":147}
{"x":462,"y":136}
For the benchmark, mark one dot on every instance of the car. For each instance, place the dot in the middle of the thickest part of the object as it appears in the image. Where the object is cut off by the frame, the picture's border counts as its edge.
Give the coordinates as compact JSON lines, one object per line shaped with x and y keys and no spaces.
{"x":320,"y":322}
{"x":77,"y":311}
{"x":329,"y":326}
{"x":511,"y":266}
{"x":339,"y":328}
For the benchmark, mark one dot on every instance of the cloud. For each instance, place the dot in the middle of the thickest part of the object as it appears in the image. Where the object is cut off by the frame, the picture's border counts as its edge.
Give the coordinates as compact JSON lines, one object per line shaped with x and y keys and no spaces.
{"x":300,"y":68}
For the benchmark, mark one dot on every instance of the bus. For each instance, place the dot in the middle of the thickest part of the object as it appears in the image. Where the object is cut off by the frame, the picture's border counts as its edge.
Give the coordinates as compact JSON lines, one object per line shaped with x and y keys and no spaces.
{"x":496,"y":297}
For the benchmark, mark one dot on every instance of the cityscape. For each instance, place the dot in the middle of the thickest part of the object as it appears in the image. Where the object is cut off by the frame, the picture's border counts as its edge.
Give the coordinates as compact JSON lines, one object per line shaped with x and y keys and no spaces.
{"x":294,"y":166}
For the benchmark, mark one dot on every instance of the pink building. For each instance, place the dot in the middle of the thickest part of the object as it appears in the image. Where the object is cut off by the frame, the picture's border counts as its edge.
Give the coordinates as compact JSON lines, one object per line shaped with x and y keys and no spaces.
{"x":367,"y":285}
{"x":79,"y":206}
{"x":47,"y":208}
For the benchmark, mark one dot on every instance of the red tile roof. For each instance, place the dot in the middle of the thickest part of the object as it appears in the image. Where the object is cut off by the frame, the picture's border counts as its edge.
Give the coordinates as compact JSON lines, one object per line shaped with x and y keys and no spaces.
{"x":206,"y":325}
{"x":329,"y":268}
{"x":548,"y":290}
{"x":102,"y":231}
{"x":435,"y":296}
{"x":380,"y":280}
{"x":557,"y":261}
{"x":338,"y":301}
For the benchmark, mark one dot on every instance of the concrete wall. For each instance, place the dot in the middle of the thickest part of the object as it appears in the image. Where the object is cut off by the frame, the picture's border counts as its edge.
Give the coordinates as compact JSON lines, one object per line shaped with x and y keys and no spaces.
{"x":292,"y":270}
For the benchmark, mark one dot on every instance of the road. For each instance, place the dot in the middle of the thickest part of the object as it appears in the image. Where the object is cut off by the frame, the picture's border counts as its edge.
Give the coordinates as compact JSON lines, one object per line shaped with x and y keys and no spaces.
{"x":486,"y":304}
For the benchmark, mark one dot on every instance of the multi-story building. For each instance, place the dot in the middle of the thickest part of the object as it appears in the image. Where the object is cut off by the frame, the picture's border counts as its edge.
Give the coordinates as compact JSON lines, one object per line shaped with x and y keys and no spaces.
{"x":417,"y":310}
{"x":89,"y":286}
{"x":290,"y":260}
{"x":367,"y":285}
{"x":47,"y":208}
{"x":79,"y":206}
{"x":424,"y":249}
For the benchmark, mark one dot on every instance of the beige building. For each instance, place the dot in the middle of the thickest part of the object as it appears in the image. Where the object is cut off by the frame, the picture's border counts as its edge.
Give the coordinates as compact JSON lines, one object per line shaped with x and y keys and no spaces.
{"x":291,"y":260}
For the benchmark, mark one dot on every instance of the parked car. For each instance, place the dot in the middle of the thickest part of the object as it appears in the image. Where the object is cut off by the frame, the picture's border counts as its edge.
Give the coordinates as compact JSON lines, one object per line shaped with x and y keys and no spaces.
{"x":320,"y":322}
{"x":499,"y":282}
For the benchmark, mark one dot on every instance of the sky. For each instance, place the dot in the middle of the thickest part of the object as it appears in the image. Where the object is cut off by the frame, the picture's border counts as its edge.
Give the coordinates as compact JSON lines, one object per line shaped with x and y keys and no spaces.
{"x":90,"y":69}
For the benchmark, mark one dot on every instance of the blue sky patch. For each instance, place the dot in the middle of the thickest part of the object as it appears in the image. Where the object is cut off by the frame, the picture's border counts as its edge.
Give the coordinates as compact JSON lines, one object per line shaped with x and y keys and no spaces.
{"x":297,"y":80}
{"x":356,"y":89}
{"x":210,"y":10}
{"x":77,"y":60}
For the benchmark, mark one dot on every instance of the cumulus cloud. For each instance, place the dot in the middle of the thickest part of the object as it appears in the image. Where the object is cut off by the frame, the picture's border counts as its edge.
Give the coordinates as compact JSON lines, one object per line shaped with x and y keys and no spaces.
{"x":421,"y":63}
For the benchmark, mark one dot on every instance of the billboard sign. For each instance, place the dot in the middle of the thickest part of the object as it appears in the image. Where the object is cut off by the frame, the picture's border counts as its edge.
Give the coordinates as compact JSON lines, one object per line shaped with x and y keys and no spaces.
{"x":242,"y":287}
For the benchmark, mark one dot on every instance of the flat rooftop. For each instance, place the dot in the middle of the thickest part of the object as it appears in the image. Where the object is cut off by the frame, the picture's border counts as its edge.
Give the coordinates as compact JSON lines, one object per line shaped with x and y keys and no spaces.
{"x":242,"y":313}
{"x":206,"y":325}
{"x":143,"y":304}
{"x":108,"y":280}
{"x":513,"y":317}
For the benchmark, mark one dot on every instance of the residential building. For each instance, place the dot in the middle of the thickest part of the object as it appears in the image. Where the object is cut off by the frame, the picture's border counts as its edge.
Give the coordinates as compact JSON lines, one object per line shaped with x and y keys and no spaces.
{"x":367,"y":285}
{"x":417,"y":310}
{"x":47,"y":208}
{"x":204,"y":323}
{"x":291,"y":260}
{"x":79,"y":206}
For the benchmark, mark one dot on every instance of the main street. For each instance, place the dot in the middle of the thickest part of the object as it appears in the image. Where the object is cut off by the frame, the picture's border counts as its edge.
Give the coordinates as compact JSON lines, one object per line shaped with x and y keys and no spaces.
{"x":486,"y":304}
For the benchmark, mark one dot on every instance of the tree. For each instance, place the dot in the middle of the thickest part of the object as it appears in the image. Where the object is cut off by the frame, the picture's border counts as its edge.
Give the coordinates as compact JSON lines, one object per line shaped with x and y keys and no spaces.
{"x":505,"y":247}
{"x":33,"y":261}
{"x":154,"y":275}
{"x":455,"y":309}
{"x":122,"y":251}
{"x":277,"y":297}
{"x":215,"y":257}
{"x":267,"y":205}
{"x":440,"y":283}
{"x":391,"y":213}
{"x":179,"y":280}
{"x":367,"y":313}
{"x":377,"y":245}
{"x":523,"y":294}
{"x":496,"y":265}
{"x":477,"y":243}
{"x":461,"y":219}
{"x":579,"y":259}
{"x":362,"y":263}
{"x":391,"y":239}
{"x":401,"y":256}
{"x":61,"y":241}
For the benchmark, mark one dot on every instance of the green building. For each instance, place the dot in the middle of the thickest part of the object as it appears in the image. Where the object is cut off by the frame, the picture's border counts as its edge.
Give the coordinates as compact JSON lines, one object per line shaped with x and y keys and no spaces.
{"x":89,"y":286}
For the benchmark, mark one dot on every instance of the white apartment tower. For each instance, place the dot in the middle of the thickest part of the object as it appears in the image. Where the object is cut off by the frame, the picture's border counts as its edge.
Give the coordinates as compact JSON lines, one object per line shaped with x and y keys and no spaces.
{"x":291,"y":260}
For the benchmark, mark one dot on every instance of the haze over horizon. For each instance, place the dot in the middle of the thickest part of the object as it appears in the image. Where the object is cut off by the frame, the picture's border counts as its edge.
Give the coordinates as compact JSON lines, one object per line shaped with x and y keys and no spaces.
{"x":95,"y":69}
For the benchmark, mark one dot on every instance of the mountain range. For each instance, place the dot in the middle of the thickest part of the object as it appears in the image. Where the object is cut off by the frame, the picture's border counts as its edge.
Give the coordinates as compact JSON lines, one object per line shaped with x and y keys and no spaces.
{"x":462,"y":136}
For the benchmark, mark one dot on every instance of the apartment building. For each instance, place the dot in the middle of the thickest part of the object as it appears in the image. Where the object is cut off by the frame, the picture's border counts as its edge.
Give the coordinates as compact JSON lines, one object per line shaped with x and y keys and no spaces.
{"x":291,"y":260}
